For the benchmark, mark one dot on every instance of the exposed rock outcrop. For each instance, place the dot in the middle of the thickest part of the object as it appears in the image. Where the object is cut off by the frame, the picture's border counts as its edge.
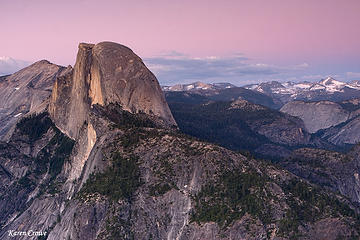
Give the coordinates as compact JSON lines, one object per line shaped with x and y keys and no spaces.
{"x":345,"y":133}
{"x":337,"y":123}
{"x":24,"y":92}
{"x":157,"y":184}
{"x":334,"y":170}
{"x":126,"y":174}
{"x":106,"y":73}
{"x":317,"y":115}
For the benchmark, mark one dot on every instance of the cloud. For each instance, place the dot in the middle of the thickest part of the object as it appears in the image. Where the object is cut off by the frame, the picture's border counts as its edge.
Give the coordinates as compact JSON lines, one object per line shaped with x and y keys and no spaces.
{"x":315,"y":77}
{"x":301,"y":66}
{"x":176,"y":68}
{"x":353,"y":75}
{"x":9,"y":65}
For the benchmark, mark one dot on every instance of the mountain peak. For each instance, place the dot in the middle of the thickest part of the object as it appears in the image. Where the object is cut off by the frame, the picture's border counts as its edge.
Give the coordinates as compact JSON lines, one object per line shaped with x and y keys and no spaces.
{"x":106,"y":73}
{"x":86,"y":45}
{"x":330,"y":81}
{"x":41,"y":62}
{"x":198,"y":86}
{"x":25,"y":92}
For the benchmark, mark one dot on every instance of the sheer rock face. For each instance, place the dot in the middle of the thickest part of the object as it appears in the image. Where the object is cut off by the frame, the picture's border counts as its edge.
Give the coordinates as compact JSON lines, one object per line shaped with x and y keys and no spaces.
{"x":345,"y":133}
{"x":317,"y":115}
{"x":153,"y":176}
{"x":25,"y":91}
{"x":106,"y":73}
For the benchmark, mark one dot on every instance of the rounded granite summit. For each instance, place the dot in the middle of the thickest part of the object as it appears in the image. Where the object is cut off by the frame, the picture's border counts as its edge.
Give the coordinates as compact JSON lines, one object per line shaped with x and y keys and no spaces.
{"x":106,"y":73}
{"x":125,"y":78}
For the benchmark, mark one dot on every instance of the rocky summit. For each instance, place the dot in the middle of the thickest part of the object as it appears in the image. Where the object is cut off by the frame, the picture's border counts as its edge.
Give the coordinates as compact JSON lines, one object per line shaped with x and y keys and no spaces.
{"x":24,"y":92}
{"x":106,"y":73}
{"x":103,"y":158}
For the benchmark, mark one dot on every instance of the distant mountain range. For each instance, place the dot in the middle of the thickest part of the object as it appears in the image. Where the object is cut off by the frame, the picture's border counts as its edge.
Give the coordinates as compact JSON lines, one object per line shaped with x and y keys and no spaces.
{"x":326,"y":89}
{"x":328,"y":84}
{"x":199,"y":96}
{"x":282,"y":93}
{"x":197,"y":86}
{"x":94,"y":152}
{"x":10,"y":65}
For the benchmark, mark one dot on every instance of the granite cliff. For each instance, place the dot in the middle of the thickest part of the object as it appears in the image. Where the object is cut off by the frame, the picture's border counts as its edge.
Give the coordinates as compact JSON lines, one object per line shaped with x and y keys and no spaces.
{"x":106,"y":73}
{"x":317,"y":115}
{"x":105,"y":161}
{"x":25,"y":92}
{"x":336,"y":122}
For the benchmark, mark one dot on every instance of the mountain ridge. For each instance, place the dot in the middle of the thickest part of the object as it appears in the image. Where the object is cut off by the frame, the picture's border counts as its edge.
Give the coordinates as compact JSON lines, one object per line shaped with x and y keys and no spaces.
{"x":326,"y":89}
{"x":103,"y":159}
{"x":24,"y":92}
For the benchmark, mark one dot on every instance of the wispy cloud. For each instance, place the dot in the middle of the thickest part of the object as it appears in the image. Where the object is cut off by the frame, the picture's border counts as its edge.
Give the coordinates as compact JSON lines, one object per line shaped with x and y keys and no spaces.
{"x":353,"y":75}
{"x":315,"y":77}
{"x":175,"y":68}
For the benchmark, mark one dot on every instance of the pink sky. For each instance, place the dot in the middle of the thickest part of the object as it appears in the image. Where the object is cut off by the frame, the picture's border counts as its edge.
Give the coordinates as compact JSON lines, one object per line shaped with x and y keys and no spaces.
{"x":273,"y":31}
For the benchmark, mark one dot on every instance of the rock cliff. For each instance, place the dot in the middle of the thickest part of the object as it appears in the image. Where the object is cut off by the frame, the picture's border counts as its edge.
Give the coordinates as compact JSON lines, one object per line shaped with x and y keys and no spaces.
{"x":337,"y":123}
{"x":317,"y":115}
{"x":106,"y":73}
{"x":344,"y":133}
{"x":24,"y":92}
{"x":106,"y":163}
{"x":141,"y":182}
{"x":334,"y":170}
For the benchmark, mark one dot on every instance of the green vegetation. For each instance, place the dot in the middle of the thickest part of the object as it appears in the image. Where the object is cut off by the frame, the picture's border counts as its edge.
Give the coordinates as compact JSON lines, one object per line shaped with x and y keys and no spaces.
{"x":119,"y":181}
{"x":213,"y":122}
{"x":319,"y":157}
{"x":165,"y":175}
{"x":51,"y":158}
{"x":235,"y":193}
{"x":228,"y":94}
{"x":52,"y":188}
{"x":64,"y":146}
{"x":118,"y":223}
{"x":26,"y":182}
{"x":132,"y":136}
{"x":229,"y":198}
{"x":124,"y":119}
{"x":34,"y":126}
{"x":118,"y":228}
{"x":159,"y":189}
{"x":308,"y":204}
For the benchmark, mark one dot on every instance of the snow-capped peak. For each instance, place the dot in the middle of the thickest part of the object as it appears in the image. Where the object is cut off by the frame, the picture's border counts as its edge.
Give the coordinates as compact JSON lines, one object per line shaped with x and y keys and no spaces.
{"x":307,"y":90}
{"x":331,"y":81}
{"x":198,"y":86}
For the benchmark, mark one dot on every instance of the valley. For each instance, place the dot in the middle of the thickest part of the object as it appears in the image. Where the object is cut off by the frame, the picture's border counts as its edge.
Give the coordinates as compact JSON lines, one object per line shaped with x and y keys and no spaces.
{"x":100,"y":152}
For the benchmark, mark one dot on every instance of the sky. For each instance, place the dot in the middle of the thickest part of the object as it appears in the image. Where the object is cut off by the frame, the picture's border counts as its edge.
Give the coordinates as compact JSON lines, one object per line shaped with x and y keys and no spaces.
{"x":237,"y":41}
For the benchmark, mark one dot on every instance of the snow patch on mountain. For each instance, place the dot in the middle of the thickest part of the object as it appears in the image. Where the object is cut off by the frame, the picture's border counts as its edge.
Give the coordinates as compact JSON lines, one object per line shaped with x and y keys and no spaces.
{"x":328,"y":84}
{"x":197,"y":86}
